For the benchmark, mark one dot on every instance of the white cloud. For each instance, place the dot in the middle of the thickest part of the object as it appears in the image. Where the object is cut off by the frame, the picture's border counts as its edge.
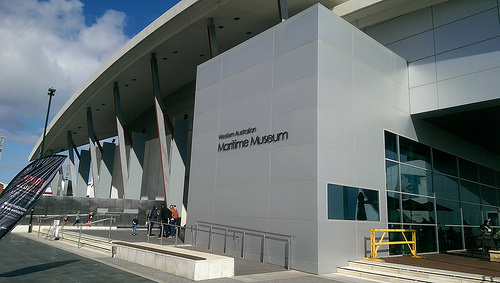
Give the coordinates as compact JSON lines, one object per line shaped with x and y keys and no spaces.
{"x":47,"y":44}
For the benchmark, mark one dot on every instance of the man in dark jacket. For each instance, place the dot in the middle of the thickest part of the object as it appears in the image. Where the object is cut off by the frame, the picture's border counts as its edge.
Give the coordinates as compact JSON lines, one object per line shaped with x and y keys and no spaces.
{"x":152,"y":219}
{"x":165,"y":215}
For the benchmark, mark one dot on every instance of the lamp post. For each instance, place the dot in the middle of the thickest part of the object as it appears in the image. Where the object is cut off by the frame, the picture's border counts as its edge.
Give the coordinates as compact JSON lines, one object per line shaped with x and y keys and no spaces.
{"x":50,"y":94}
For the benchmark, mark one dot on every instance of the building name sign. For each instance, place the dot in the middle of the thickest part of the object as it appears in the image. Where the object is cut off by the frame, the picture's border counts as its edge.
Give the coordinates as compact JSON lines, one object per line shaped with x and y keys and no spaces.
{"x":237,"y":143}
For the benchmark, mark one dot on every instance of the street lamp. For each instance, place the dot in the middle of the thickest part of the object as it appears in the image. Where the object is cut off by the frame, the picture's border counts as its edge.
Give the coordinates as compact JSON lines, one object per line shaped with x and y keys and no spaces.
{"x":50,"y":94}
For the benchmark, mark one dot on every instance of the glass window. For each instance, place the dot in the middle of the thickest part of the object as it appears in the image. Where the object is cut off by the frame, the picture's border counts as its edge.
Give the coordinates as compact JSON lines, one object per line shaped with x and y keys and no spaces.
{"x":418,"y":209}
{"x":469,"y":192}
{"x":497,"y":174}
{"x":445,"y":186}
{"x":444,"y":162}
{"x":392,"y":175}
{"x":414,"y":153}
{"x":486,"y":176}
{"x":393,"y":237}
{"x":450,"y":238}
{"x":490,"y":212}
{"x":348,"y":203}
{"x":391,"y":146}
{"x":489,"y":195}
{"x":471,"y":214}
{"x":425,"y":238}
{"x":416,"y":181}
{"x":394,"y":207}
{"x":448,"y":212}
{"x":467,"y":170}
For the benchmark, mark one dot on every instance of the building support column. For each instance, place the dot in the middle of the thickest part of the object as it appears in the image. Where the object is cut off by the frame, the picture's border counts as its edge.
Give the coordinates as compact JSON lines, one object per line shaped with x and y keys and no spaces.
{"x":95,"y":157}
{"x":212,"y":38}
{"x":106,"y":171}
{"x":283,"y":10}
{"x":161,"y":118}
{"x":122,"y":142}
{"x":72,"y":166}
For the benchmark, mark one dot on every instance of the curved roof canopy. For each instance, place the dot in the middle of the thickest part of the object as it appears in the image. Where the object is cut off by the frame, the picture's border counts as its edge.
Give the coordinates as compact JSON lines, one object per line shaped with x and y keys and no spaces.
{"x":179,"y":39}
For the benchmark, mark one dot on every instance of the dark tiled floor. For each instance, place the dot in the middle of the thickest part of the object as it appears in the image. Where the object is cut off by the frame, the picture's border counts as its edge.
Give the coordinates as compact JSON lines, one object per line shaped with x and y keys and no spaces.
{"x":24,"y":260}
{"x":451,"y":262}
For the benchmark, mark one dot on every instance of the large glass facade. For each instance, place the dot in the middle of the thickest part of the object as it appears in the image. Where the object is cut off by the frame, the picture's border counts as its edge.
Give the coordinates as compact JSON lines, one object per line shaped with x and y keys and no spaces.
{"x":444,"y":197}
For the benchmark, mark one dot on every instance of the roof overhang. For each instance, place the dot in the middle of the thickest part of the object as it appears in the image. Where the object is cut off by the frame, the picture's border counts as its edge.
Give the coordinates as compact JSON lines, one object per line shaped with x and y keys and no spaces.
{"x":180,"y":42}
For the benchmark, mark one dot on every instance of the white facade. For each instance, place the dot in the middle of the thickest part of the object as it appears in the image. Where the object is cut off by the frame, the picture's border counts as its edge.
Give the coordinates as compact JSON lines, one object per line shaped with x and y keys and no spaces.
{"x":333,"y":90}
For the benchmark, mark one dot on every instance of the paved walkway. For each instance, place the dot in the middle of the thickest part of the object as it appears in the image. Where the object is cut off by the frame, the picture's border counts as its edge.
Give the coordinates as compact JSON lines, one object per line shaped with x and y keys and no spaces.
{"x":29,"y":258}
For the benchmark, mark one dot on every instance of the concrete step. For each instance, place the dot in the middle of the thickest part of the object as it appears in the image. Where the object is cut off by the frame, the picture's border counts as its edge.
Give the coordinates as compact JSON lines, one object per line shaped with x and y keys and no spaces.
{"x":388,"y":272}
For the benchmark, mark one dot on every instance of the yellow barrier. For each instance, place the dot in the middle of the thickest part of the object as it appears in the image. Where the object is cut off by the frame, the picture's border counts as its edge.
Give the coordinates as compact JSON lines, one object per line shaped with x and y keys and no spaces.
{"x":374,"y":245}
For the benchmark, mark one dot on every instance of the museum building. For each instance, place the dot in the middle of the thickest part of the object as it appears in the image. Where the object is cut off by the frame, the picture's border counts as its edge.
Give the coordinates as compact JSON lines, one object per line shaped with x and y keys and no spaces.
{"x":319,"y":120}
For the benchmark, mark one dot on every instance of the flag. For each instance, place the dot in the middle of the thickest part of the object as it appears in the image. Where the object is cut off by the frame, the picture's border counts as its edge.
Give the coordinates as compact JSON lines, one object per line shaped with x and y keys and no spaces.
{"x":25,"y":189}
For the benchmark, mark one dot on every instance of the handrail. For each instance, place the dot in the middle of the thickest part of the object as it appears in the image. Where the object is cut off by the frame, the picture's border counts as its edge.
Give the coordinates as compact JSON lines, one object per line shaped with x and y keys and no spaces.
{"x":42,"y":218}
{"x":244,"y":232}
{"x":375,"y":245}
{"x":111,"y":220}
{"x":176,"y":227}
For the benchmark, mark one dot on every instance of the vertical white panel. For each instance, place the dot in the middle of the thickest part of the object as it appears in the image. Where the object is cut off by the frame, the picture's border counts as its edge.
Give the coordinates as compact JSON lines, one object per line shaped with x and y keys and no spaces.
{"x":80,"y":188}
{"x":133,"y":189}
{"x":103,"y":188}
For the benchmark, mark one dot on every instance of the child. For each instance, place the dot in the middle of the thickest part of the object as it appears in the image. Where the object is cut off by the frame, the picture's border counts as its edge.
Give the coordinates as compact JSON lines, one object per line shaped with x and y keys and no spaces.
{"x":91,"y":217}
{"x":135,"y":221}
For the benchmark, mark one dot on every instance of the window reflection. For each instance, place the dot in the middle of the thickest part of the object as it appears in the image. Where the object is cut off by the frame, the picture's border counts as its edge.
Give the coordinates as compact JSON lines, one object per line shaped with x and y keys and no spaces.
{"x":450,"y":238}
{"x":444,"y":162}
{"x":392,"y":176}
{"x":416,"y":181}
{"x":451,"y":198}
{"x":486,"y":176}
{"x":448,"y":212}
{"x":349,"y":203}
{"x":414,"y":153}
{"x":417,"y":209}
{"x":393,"y":207}
{"x":391,"y":146}
{"x":445,"y":186}
{"x":489,"y":195}
{"x":424,"y":234}
{"x":468,"y":170}
{"x":471,"y":214}
{"x":469,"y":192}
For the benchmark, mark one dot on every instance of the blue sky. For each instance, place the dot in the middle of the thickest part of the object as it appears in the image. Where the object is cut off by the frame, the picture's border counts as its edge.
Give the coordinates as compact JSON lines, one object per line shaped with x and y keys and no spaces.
{"x":59,"y":44}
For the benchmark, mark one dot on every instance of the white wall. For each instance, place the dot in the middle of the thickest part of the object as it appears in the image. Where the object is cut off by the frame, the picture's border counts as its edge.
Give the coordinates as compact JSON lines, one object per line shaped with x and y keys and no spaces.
{"x":453,"y":50}
{"x":334,"y":90}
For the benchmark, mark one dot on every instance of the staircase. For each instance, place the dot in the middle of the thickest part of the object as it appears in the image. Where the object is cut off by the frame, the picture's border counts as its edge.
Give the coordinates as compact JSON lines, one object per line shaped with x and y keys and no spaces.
{"x":389,"y":272}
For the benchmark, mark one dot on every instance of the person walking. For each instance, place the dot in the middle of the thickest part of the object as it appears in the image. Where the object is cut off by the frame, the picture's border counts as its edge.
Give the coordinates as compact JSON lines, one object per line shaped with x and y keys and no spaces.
{"x":152,"y":219}
{"x":135,"y":221}
{"x":77,"y":218}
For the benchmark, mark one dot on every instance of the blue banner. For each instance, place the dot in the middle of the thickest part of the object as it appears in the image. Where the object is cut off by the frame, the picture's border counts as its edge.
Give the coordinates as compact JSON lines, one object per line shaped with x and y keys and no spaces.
{"x":25,"y":189}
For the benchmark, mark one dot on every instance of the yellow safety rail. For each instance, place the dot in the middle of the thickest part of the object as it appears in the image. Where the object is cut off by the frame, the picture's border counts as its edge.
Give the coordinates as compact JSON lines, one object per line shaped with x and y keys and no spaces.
{"x":375,"y":245}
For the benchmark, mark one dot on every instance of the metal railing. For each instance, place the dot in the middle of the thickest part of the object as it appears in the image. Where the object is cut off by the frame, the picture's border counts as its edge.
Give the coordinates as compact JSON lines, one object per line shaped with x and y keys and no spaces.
{"x":111,"y":221}
{"x":54,"y":225}
{"x":375,"y":245}
{"x":162,"y":227}
{"x":237,"y":233}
